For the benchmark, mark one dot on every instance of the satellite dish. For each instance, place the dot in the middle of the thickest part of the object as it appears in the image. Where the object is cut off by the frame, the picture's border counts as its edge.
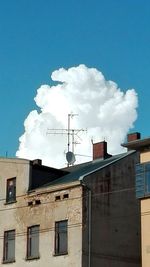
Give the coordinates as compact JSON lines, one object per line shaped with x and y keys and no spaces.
{"x":70,"y":157}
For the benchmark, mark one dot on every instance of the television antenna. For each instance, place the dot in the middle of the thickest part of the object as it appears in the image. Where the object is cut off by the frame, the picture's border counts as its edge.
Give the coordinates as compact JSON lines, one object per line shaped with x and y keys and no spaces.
{"x":73,"y":138}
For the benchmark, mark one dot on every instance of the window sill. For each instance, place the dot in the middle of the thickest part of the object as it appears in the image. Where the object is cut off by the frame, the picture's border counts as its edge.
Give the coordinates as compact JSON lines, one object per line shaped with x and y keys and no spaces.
{"x":10,"y":202}
{"x":60,"y":254}
{"x":32,"y":258}
{"x":8,"y":261}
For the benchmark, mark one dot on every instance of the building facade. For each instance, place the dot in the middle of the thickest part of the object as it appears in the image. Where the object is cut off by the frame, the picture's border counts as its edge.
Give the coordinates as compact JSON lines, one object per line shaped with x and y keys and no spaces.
{"x":142,"y":146}
{"x":82,"y":216}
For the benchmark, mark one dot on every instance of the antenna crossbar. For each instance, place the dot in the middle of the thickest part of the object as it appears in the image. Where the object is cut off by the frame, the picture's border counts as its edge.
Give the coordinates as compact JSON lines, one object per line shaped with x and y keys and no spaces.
{"x":69,"y":132}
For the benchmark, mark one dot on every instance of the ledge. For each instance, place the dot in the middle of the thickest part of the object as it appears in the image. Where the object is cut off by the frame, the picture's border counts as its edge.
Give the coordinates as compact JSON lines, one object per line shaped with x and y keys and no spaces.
{"x":10,"y":202}
{"x":32,"y":258}
{"x":8,"y":261}
{"x":60,"y":254}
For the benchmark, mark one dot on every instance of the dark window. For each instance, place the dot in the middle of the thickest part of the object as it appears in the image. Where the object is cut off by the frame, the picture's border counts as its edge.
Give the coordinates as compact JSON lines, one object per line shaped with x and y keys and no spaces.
{"x":142,"y":179}
{"x":66,"y":196}
{"x":33,"y":242}
{"x":11,"y":190}
{"x":9,"y":246}
{"x":61,"y":237}
{"x":30,"y":203}
{"x":37,"y":201}
{"x":147,"y":178}
{"x":57,"y":198}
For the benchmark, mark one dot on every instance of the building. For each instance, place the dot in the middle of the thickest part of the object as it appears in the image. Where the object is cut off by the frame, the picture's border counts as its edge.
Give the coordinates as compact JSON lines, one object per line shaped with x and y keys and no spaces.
{"x":86,"y":215}
{"x":142,"y":146}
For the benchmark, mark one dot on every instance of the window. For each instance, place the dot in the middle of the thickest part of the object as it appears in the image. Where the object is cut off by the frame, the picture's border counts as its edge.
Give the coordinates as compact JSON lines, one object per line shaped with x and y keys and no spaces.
{"x":30,"y":203}
{"x":142,"y":179}
{"x":57,"y":198}
{"x":33,"y":242}
{"x":11,"y":190}
{"x":37,"y":202}
{"x":65,"y":196}
{"x":9,"y":246}
{"x":61,"y":237}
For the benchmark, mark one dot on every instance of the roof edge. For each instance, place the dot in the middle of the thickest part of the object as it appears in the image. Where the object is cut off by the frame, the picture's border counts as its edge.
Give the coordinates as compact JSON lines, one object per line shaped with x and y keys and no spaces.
{"x":107,"y":164}
{"x":50,"y":188}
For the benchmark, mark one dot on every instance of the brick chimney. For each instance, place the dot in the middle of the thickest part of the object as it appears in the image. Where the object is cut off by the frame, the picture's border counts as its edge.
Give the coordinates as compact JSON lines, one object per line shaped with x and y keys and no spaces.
{"x":133,"y":136}
{"x":100,"y":150}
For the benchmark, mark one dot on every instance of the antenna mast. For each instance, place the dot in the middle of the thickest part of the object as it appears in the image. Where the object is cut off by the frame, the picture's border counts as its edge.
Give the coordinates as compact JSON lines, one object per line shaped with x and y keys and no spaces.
{"x":70,"y":132}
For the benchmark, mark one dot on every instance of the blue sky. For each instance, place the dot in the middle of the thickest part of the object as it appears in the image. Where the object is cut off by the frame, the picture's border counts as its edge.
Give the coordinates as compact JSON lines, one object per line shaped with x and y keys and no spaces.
{"x":38,"y":37}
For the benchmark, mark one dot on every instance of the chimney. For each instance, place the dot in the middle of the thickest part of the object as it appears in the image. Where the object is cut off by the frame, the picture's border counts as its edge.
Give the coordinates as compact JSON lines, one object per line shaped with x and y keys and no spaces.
{"x":100,"y":150}
{"x":37,"y":162}
{"x":133,"y":136}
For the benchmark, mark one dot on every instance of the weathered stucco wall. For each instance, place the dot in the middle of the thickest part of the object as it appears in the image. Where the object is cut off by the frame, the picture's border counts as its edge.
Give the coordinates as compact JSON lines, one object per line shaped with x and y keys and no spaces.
{"x":145,"y":229}
{"x":145,"y":220}
{"x":10,"y":168}
{"x":19,"y":216}
{"x":145,"y":156}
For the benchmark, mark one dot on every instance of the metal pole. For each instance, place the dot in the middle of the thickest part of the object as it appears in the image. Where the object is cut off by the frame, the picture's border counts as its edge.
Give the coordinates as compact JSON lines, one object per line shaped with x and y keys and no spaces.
{"x":89,"y":227}
{"x":69,"y":131}
{"x":73,"y":141}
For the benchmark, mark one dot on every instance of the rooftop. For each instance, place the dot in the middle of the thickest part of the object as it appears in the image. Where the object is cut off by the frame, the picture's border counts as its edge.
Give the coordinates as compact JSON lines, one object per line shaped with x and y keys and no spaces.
{"x":138,"y":144}
{"x":78,"y":172}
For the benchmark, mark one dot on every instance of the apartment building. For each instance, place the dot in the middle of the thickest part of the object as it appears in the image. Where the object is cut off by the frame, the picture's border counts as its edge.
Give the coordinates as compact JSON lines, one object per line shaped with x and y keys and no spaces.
{"x":86,"y":215}
{"x":142,"y":146}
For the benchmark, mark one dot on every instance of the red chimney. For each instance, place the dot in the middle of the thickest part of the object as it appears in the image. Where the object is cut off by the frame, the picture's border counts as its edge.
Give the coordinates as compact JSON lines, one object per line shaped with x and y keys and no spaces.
{"x":133,"y":136}
{"x":100,"y":150}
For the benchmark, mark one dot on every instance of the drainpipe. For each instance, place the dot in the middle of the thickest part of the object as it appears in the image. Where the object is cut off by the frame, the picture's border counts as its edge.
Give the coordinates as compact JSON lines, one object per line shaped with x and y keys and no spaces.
{"x":89,"y":223}
{"x":89,"y":226}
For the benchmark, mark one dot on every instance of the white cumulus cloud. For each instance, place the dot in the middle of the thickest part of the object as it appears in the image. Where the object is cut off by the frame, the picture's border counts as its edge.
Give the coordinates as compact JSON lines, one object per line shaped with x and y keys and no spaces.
{"x":103,"y":109}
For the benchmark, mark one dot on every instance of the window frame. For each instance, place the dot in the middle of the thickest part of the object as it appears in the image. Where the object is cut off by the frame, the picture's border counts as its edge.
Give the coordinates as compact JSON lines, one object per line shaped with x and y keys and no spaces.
{"x":30,"y":240}
{"x":6,"y":246}
{"x":11,"y":199}
{"x":58,"y":238}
